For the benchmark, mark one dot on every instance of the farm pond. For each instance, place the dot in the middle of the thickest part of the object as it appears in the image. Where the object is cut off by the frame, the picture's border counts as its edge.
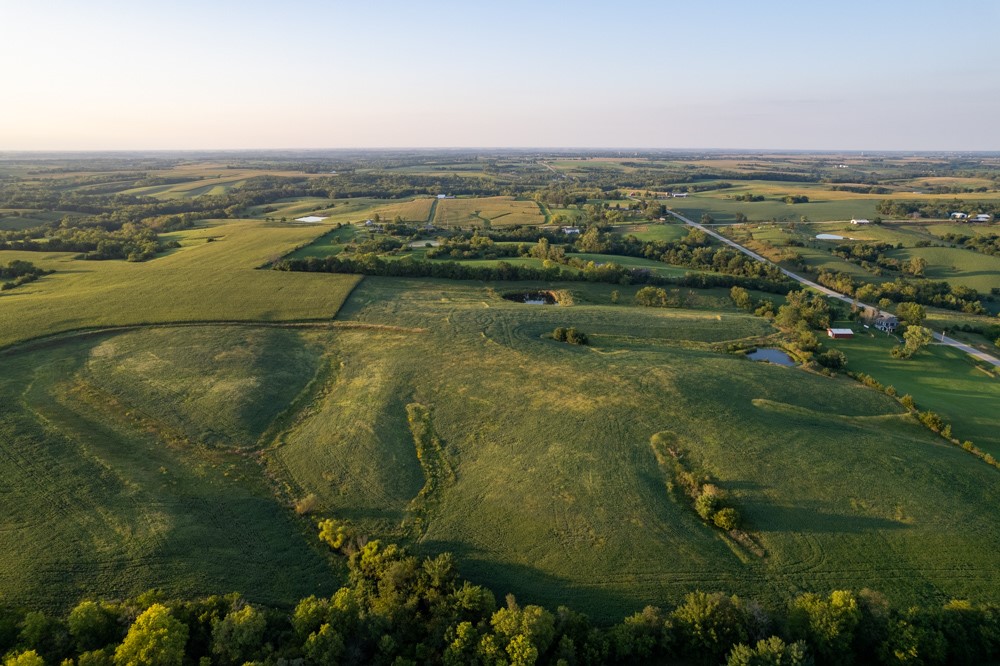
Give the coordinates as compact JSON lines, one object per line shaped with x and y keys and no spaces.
{"x":772,"y":355}
{"x":532,"y":297}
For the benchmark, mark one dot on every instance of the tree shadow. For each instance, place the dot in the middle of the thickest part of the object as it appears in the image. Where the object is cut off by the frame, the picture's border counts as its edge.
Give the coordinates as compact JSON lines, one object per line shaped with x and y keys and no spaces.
{"x":763,"y":517}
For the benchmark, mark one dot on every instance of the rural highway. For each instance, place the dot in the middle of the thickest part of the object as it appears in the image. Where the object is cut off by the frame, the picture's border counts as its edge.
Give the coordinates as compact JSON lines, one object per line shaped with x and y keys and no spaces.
{"x":940,"y":337}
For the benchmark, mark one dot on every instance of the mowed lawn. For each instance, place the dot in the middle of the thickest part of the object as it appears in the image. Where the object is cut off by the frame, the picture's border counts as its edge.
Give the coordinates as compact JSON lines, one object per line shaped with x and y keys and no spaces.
{"x":941,"y":379}
{"x":556,"y":494}
{"x":213,"y":277}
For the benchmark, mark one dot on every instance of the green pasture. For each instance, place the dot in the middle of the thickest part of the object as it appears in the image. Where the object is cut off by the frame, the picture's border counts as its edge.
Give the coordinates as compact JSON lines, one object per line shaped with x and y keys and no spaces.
{"x":123,"y":467}
{"x":550,"y":444}
{"x":941,"y":379}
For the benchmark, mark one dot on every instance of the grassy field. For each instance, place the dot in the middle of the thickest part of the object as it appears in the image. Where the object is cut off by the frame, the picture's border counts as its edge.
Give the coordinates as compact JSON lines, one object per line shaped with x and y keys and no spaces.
{"x":550,"y":443}
{"x":122,"y":470}
{"x":201,"y":281}
{"x":941,"y":379}
{"x":486,"y":211}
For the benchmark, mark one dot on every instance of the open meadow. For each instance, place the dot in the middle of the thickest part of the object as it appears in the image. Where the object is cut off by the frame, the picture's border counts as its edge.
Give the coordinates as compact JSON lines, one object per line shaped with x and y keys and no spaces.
{"x":486,"y":211}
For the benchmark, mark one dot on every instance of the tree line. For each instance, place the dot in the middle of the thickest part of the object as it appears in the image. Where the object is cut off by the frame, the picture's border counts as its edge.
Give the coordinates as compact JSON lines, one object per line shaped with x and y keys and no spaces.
{"x":399,"y":609}
{"x":18,"y":272}
{"x":611,"y":273}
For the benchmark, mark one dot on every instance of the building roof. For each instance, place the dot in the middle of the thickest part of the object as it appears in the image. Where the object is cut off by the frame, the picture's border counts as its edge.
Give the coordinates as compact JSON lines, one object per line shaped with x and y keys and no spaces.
{"x":859,"y":220}
{"x":840,"y":331}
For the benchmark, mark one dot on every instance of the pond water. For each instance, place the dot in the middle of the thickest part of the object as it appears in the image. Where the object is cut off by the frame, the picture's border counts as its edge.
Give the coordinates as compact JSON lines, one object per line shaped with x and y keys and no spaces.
{"x":532,"y":297}
{"x":772,"y":356}
{"x":829,"y":237}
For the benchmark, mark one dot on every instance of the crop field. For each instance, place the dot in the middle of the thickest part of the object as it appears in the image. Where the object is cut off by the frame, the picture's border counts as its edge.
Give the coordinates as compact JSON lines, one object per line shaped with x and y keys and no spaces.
{"x":121,"y":467}
{"x":211,"y":278}
{"x":724,"y":210}
{"x":486,"y":211}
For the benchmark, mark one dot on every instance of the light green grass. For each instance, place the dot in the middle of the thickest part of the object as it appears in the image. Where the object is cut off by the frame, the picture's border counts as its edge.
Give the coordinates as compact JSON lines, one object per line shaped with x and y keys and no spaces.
{"x":557,"y":496}
{"x":941,"y":379}
{"x":113,"y":487}
{"x":480,"y":211}
{"x":202,"y":281}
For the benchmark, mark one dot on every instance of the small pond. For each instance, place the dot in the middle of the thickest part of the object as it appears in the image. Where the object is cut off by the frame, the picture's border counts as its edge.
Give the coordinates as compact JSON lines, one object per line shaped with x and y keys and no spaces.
{"x":829,"y":237}
{"x":772,"y":355}
{"x":532,"y":297}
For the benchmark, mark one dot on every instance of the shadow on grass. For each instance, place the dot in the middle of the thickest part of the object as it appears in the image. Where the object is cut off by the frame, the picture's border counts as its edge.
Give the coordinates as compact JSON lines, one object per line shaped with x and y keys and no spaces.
{"x":532,"y":586}
{"x":807,"y":519}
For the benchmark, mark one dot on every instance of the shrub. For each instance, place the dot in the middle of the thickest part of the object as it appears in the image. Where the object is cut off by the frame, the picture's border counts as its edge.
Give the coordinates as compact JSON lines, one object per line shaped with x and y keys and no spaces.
{"x":727,"y":519}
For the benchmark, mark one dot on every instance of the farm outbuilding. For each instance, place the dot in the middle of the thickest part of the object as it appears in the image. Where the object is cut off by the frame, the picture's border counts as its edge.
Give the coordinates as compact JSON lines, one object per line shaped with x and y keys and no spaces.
{"x":840,"y":333}
{"x":860,"y":220}
{"x":982,"y":217}
{"x":959,"y":216}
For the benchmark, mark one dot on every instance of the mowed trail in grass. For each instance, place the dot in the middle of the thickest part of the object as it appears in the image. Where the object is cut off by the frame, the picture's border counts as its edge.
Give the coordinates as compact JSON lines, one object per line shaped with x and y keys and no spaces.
{"x":213,"y":277}
{"x":123,"y":467}
{"x":555,"y":493}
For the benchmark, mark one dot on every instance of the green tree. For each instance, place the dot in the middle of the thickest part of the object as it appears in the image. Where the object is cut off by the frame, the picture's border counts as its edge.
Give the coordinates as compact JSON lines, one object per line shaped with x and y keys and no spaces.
{"x":769,"y":652}
{"x":916,"y":338}
{"x":92,"y":625}
{"x":237,"y":637}
{"x":827,"y":624}
{"x":27,"y":658}
{"x":156,"y":638}
{"x":708,"y":625}
{"x":741,"y":298}
{"x":910,"y":313}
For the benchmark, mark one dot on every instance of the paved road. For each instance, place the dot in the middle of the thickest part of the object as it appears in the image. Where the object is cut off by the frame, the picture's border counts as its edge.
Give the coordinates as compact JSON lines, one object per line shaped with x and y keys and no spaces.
{"x":951,"y":342}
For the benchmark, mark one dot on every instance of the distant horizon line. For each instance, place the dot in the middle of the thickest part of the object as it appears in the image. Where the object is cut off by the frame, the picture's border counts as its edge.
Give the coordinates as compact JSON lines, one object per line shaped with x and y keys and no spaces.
{"x":572,"y":149}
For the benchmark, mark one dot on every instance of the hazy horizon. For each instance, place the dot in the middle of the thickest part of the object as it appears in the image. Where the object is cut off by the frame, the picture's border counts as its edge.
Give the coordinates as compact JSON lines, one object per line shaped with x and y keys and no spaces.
{"x":112,"y":76}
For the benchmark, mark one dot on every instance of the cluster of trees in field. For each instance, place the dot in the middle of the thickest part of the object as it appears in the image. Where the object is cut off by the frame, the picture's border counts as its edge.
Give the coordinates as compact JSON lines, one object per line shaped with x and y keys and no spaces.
{"x":749,"y":197}
{"x":131,"y":242}
{"x":927,"y":292}
{"x":933,"y":208}
{"x":403,"y":610}
{"x":18,"y":272}
{"x":986,"y":243}
{"x":611,"y":273}
{"x":570,"y":335}
{"x":861,"y":189}
{"x":872,"y":257}
{"x":555,"y":247}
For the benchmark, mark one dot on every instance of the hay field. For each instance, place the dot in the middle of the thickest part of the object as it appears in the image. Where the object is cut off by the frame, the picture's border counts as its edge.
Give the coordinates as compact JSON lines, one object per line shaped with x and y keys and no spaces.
{"x":486,"y":211}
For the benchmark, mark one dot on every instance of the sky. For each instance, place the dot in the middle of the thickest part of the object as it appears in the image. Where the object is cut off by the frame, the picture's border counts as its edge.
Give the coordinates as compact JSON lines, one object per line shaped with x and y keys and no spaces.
{"x":222,"y":74}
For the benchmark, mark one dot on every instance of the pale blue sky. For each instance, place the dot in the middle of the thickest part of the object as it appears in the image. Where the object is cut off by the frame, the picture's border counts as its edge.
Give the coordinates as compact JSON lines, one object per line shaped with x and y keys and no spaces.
{"x":870,"y":75}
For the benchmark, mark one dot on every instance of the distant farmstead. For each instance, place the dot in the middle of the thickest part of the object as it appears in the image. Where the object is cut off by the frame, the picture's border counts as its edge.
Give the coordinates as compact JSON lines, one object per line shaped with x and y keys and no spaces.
{"x":571,"y":230}
{"x":840,"y":333}
{"x":982,"y":217}
{"x":959,"y":216}
{"x":860,"y":220}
